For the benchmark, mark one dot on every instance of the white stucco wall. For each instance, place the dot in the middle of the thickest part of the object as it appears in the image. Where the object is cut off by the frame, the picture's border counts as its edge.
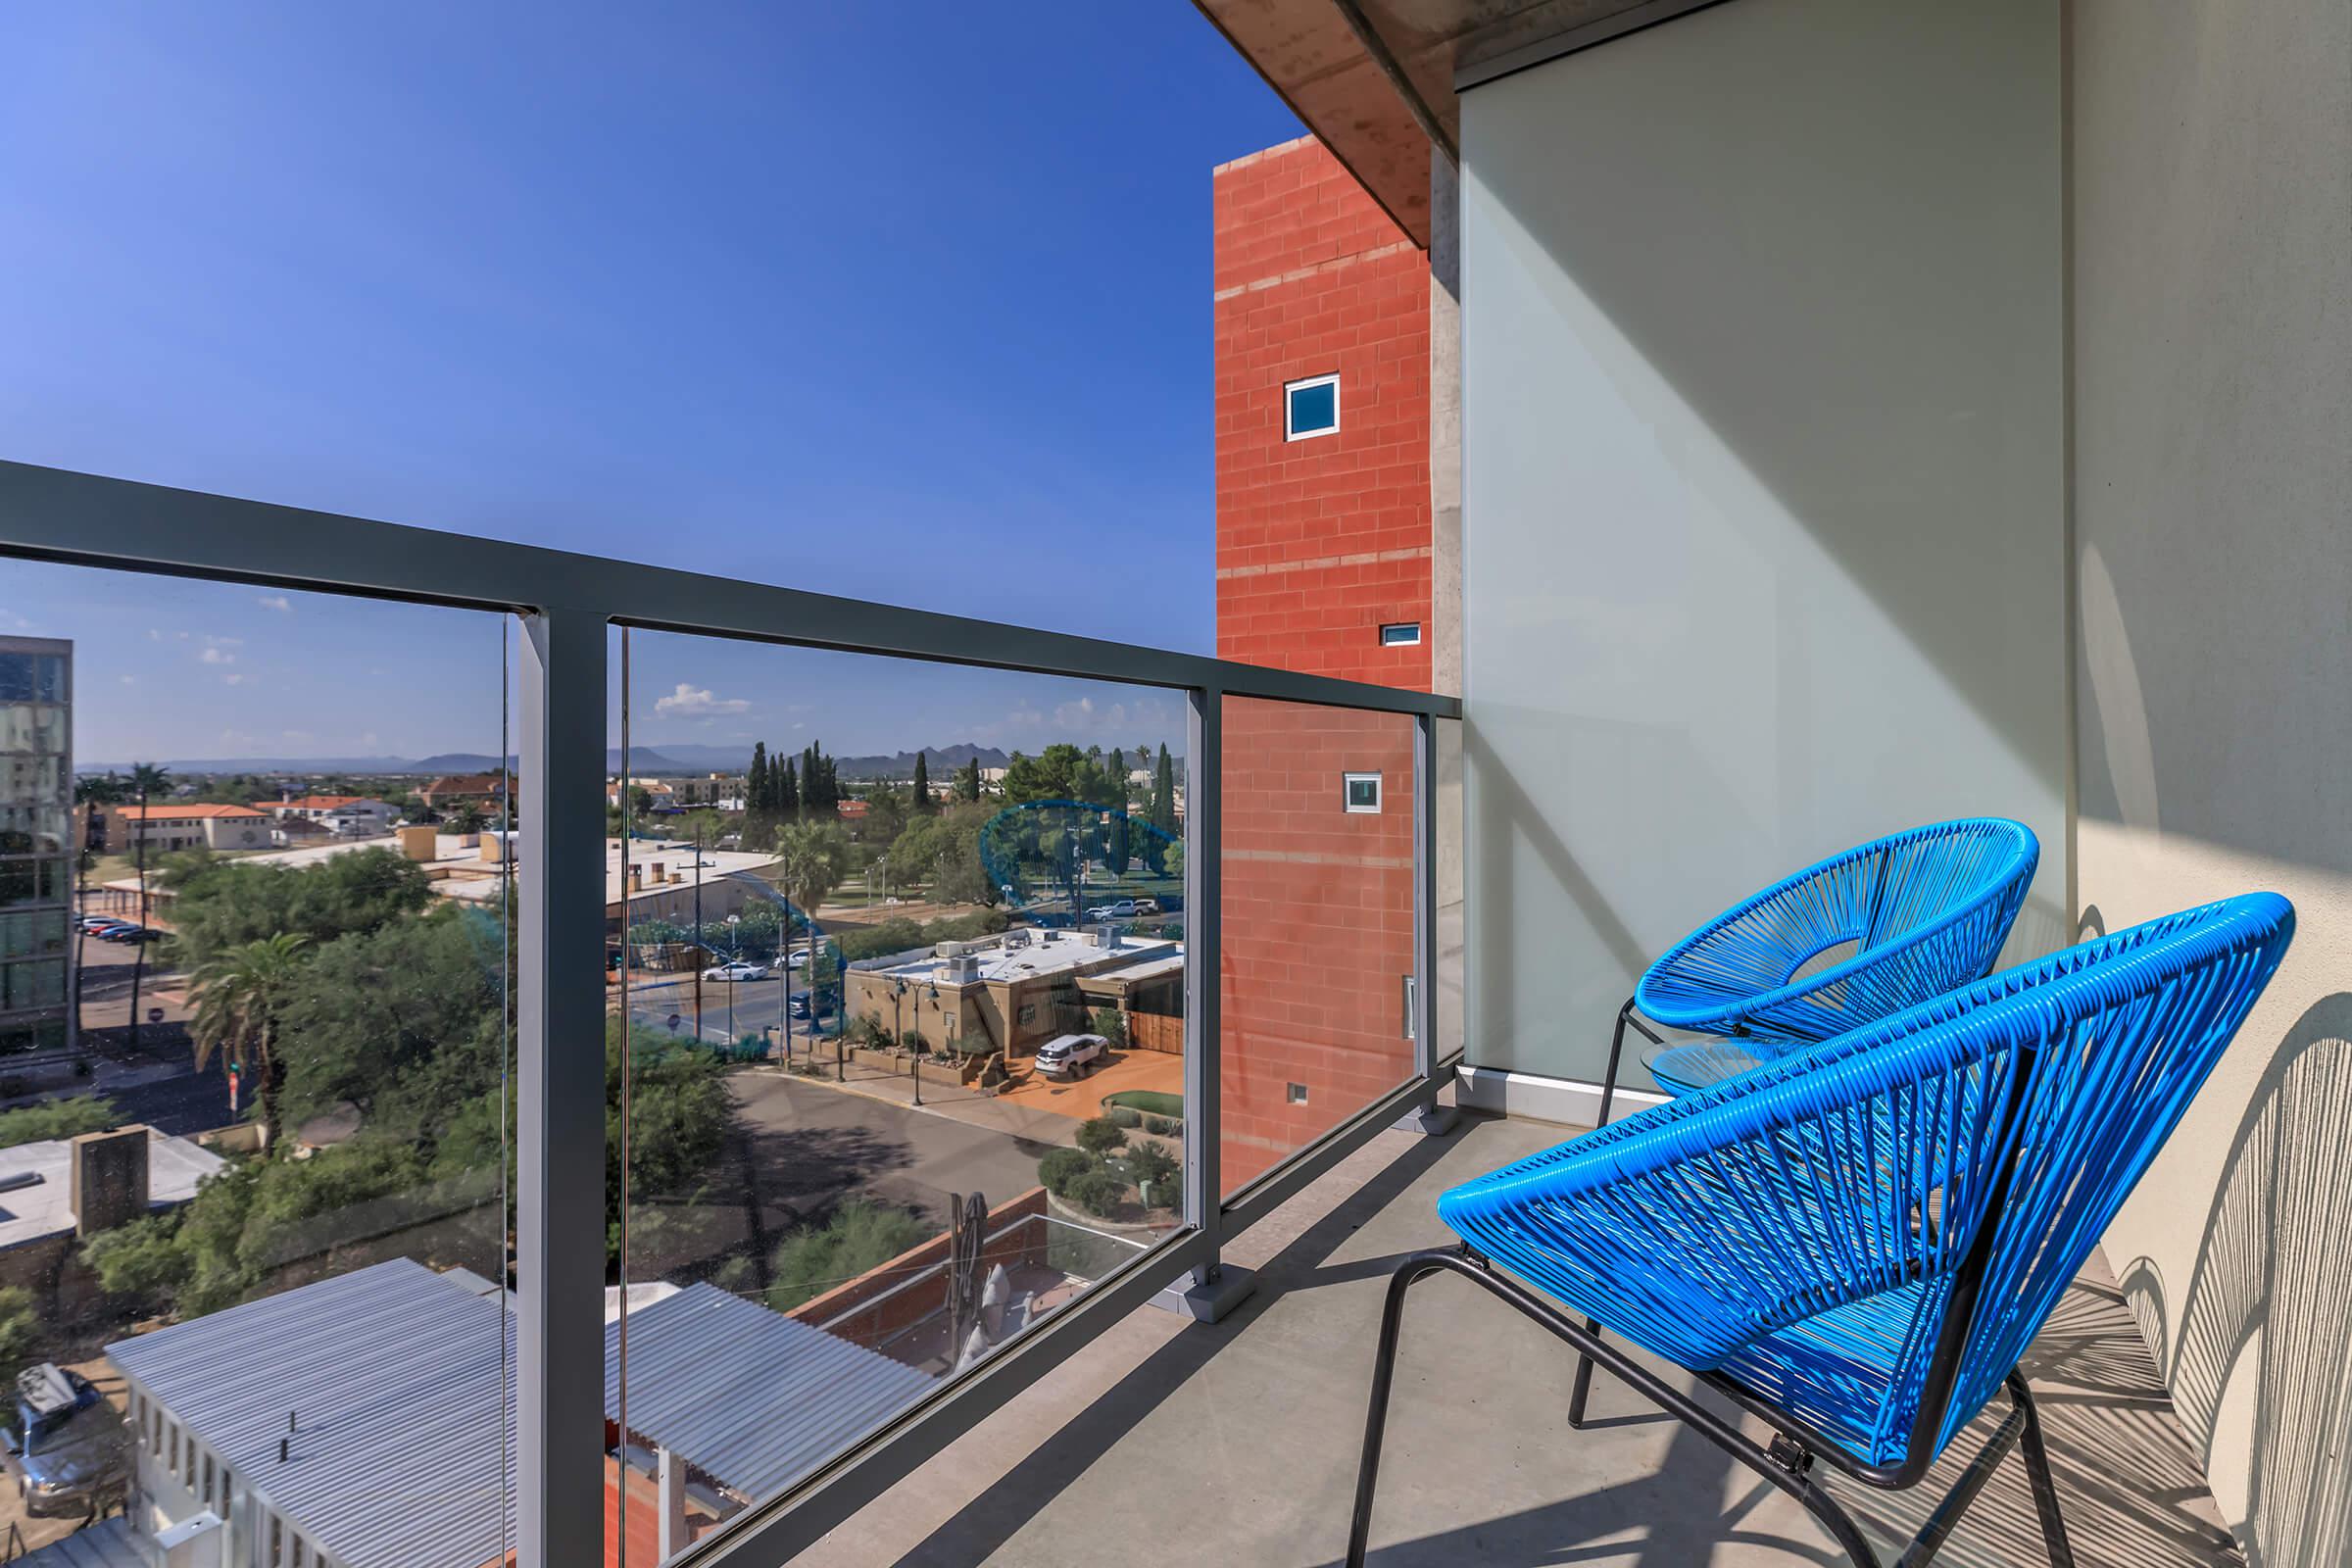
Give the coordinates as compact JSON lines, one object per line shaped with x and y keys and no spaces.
{"x":2212,"y":344}
{"x":1763,"y":478}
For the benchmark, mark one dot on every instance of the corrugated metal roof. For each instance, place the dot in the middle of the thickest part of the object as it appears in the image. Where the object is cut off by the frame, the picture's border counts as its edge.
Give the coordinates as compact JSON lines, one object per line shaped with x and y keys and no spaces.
{"x":392,"y":1374}
{"x":754,"y":1398}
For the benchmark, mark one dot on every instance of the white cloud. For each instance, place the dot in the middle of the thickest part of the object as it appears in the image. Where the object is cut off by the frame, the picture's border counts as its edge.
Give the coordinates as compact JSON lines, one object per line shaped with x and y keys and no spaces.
{"x":216,"y":656}
{"x":278,"y":602}
{"x":693,"y":701}
{"x":235,"y":680}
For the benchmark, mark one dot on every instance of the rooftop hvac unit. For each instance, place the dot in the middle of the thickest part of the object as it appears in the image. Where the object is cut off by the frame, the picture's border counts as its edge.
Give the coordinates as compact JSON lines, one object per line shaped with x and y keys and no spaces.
{"x":960,"y":971}
{"x":1106,"y":937}
{"x":1017,"y":940}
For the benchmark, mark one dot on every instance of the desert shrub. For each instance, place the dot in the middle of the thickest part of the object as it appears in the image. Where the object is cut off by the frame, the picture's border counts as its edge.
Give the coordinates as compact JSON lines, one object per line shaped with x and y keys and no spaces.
{"x":1148,"y":1162}
{"x":1098,"y":1192}
{"x":1063,"y":1166}
{"x":1101,"y":1135}
{"x":1162,"y":1126}
{"x":859,"y":1237}
{"x":1127,"y":1116}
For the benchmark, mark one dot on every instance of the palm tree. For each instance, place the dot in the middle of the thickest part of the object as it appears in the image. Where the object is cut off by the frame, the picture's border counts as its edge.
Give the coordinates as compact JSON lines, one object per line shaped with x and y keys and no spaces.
{"x":468,"y":817}
{"x":147,"y":779}
{"x":238,"y":997}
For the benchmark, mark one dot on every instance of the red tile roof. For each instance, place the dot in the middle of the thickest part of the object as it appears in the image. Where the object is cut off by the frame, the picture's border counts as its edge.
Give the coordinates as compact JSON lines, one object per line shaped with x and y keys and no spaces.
{"x":176,"y":813}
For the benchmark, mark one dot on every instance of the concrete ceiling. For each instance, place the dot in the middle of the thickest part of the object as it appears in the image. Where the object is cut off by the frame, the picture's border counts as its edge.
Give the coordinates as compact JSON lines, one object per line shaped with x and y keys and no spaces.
{"x":1374,"y":80}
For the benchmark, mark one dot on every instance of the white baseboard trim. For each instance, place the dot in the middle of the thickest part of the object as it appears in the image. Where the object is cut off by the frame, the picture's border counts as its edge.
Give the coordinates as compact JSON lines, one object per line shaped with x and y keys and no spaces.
{"x":1537,"y":1098}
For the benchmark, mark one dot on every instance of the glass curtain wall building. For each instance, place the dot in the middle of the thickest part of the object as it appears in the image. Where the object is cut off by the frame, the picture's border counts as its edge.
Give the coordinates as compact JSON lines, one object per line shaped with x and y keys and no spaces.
{"x":36,"y":848}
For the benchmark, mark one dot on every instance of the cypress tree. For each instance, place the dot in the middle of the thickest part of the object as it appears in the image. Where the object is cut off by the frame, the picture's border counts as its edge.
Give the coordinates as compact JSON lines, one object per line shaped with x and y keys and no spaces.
{"x":922,"y":783}
{"x":1163,"y":793}
{"x":787,"y":792}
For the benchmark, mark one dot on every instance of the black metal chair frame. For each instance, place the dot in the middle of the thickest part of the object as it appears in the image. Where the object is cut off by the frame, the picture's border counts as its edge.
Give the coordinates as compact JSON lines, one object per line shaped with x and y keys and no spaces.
{"x":1788,"y":1461}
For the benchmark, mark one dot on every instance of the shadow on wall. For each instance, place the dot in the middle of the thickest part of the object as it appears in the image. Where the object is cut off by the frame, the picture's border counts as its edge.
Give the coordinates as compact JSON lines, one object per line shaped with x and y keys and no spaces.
{"x":2263,"y":1347}
{"x":1843,"y":266}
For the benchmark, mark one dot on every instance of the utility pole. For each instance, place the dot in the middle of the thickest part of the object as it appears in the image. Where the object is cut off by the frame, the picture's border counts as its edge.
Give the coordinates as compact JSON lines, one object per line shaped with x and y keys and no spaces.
{"x":697,"y":930}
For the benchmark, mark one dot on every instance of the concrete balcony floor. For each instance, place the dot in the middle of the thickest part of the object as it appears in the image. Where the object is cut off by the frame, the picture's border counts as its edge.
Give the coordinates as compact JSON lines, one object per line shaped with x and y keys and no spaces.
{"x":1236,"y":1444}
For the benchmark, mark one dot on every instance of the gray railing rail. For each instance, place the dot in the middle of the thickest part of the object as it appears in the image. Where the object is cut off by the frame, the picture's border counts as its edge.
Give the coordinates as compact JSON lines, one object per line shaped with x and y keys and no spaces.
{"x":566,"y":603}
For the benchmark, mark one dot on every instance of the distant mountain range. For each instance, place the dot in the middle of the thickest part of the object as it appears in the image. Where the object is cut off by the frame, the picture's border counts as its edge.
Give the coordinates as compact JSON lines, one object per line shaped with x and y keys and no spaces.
{"x":644,"y":761}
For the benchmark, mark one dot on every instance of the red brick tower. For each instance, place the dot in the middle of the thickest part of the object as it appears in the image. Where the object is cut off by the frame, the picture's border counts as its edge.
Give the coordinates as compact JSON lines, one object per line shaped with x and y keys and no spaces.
{"x":1323,"y":565}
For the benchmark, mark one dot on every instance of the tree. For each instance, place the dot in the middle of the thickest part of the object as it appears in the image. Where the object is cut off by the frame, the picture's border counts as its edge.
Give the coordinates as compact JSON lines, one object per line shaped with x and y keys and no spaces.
{"x":57,"y":1118}
{"x":101,"y":789}
{"x":812,"y":859}
{"x":678,"y":1114}
{"x":1115,"y":852}
{"x":403,"y":1023}
{"x":967,"y":781}
{"x":887,"y":813}
{"x":922,"y":785}
{"x":240,"y":999}
{"x":1101,"y":1135}
{"x":147,"y":780}
{"x":218,"y":904}
{"x":860,"y":1236}
{"x":787,"y":795}
{"x":1163,"y":793}
{"x":468,"y":817}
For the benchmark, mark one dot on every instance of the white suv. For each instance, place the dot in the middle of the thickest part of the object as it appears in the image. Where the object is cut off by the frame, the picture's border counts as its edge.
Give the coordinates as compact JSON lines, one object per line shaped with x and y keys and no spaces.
{"x":1070,"y":1055}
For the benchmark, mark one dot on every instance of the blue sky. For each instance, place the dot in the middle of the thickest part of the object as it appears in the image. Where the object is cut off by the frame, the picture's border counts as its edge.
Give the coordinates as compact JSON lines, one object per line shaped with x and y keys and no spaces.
{"x":890,"y":301}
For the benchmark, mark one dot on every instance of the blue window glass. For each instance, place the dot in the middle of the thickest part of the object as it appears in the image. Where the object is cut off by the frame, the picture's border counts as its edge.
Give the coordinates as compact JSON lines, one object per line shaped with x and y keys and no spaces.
{"x":1311,"y":406}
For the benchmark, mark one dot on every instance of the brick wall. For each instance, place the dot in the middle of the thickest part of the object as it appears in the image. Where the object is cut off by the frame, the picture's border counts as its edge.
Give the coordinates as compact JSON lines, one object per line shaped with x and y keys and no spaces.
{"x":1318,"y":929}
{"x":1319,"y":541}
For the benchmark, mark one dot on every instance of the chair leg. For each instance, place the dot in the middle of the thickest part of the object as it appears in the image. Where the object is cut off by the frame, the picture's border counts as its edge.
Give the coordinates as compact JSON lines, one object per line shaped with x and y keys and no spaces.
{"x":2037,"y":1467}
{"x":1376,"y":1420}
{"x":1794,"y":1479}
{"x":1582,"y":1390}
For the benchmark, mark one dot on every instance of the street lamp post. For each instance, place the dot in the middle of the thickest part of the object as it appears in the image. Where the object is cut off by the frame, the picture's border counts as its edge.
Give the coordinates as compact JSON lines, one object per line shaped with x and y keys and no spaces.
{"x":734,"y":956}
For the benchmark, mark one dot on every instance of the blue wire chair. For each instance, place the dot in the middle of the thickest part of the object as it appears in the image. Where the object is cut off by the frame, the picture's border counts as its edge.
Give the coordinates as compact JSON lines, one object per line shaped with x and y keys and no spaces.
{"x":1926,"y":910}
{"x":1856,"y":1242}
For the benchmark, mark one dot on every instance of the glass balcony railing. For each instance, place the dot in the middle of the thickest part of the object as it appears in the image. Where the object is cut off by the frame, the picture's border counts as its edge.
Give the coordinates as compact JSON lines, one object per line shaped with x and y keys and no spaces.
{"x":639,"y":1035}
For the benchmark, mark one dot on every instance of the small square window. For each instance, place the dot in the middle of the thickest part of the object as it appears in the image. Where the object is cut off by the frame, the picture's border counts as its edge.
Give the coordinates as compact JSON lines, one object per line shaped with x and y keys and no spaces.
{"x":1310,"y":407}
{"x":1400,"y":634}
{"x":1295,"y":1094}
{"x":1363,"y":792}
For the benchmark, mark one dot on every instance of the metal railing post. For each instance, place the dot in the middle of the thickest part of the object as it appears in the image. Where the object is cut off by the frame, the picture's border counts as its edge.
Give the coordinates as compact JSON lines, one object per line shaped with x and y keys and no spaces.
{"x":1214,"y":1289}
{"x":560,"y":1134}
{"x":1429,"y":1118}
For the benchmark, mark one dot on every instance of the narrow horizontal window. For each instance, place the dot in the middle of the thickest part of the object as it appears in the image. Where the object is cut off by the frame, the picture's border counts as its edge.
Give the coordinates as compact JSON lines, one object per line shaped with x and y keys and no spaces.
{"x":1362,"y":791}
{"x":1310,"y":407}
{"x":1401,"y":633}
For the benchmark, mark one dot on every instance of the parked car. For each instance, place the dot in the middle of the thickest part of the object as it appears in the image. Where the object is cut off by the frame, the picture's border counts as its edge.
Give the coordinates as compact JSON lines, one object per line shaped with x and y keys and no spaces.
{"x":95,"y":923}
{"x":741,"y":970}
{"x":1119,"y":909}
{"x":799,"y":1004}
{"x":1070,"y":1055}
{"x":1147,"y":906}
{"x":796,"y":959}
{"x":69,"y":1448}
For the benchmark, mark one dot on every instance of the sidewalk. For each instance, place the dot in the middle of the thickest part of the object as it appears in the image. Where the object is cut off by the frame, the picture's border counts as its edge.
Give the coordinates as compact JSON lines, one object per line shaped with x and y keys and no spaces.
{"x":944,"y":1097}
